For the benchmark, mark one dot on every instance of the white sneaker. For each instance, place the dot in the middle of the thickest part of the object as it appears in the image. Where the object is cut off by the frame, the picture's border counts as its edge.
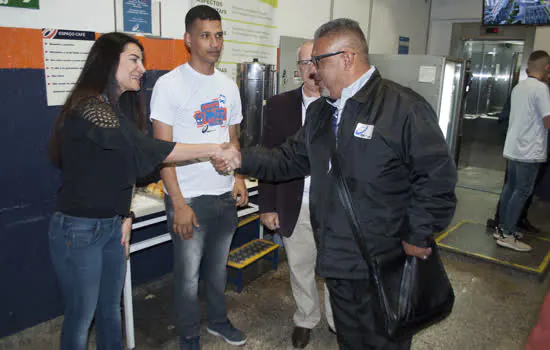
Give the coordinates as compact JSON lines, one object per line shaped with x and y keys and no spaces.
{"x":498,"y":234}
{"x":513,"y":243}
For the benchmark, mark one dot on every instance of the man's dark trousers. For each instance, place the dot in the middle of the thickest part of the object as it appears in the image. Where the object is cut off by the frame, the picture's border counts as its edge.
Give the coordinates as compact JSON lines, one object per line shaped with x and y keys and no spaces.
{"x":352,"y":305}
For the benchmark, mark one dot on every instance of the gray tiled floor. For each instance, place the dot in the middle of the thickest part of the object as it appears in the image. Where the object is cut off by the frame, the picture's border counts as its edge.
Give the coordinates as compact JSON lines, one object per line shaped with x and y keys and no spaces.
{"x":488,"y":180}
{"x":495,"y":308}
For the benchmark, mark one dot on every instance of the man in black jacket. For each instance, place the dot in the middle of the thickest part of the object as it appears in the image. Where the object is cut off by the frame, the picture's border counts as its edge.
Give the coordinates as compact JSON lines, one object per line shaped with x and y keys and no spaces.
{"x":285,"y":206}
{"x":396,"y":164}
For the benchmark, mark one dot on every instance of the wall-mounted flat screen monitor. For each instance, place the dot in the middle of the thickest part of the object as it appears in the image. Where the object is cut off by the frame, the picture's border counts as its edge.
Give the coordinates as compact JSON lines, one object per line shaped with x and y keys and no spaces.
{"x":516,"y":12}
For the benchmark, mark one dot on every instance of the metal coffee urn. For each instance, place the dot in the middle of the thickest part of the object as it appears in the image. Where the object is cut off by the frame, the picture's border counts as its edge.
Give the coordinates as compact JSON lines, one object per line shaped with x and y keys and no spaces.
{"x":257,"y":83}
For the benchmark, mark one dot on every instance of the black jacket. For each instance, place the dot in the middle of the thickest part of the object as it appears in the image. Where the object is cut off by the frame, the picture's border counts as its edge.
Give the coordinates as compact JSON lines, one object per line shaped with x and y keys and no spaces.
{"x":402,"y":181}
{"x":283,"y":118}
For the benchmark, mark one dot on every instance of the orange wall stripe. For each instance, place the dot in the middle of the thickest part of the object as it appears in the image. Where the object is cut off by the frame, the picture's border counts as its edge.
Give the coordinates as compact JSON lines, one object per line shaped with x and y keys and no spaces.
{"x":181,"y":53}
{"x":160,"y":54}
{"x":21,"y":48}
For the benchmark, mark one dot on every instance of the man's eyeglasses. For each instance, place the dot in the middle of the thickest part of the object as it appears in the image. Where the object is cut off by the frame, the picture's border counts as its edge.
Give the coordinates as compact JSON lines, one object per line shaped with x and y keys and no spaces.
{"x":316,"y":59}
{"x":304,"y":62}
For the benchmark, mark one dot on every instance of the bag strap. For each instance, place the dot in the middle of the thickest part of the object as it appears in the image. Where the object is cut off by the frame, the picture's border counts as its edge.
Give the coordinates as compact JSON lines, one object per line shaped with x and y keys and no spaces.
{"x":342,"y":187}
{"x":345,"y":198}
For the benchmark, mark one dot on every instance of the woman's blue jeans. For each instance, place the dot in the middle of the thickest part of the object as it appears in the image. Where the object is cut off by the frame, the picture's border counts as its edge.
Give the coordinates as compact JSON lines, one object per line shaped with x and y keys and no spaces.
{"x":90,"y":263}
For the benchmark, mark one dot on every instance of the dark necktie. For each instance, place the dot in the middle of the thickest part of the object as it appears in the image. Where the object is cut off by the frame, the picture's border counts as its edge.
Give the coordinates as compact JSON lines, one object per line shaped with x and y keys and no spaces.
{"x":335,"y":121}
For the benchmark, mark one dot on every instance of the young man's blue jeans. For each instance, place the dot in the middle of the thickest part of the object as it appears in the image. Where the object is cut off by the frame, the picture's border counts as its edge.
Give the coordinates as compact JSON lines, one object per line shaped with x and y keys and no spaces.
{"x":217,"y":217}
{"x":517,"y":189}
{"x":90,"y":263}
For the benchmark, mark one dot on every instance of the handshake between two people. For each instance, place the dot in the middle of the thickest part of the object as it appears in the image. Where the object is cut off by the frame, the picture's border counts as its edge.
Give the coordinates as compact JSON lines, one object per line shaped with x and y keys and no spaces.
{"x":227,"y":159}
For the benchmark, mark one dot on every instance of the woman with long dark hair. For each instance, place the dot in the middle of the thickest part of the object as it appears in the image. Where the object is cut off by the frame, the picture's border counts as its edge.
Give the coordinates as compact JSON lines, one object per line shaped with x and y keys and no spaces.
{"x":100,"y":146}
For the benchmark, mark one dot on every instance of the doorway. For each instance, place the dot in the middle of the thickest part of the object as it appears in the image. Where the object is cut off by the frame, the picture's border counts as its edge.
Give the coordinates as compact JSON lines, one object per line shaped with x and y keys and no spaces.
{"x":494,"y":71}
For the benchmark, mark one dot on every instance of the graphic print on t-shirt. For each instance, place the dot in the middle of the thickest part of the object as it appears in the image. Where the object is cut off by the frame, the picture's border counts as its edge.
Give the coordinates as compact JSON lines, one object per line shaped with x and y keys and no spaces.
{"x":211,"y":114}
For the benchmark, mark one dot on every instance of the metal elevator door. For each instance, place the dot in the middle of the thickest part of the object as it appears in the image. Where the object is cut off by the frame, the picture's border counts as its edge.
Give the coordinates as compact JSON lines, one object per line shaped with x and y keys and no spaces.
{"x":495,"y":70}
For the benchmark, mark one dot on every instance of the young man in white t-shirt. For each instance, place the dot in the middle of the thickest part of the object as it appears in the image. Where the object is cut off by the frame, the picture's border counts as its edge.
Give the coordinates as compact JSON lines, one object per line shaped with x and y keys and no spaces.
{"x":196,"y":103}
{"x":525,"y":147}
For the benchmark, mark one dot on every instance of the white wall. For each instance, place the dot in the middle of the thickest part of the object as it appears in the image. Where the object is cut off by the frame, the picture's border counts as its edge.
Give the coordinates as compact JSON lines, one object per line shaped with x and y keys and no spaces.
{"x":440,"y":38}
{"x":390,"y":18}
{"x":301,"y":18}
{"x":447,"y":12}
{"x":290,"y":20}
{"x":444,"y":14}
{"x":457,"y":9}
{"x":354,"y":9}
{"x":394,"y":18}
{"x":96,"y":15}
{"x":173,"y":18}
{"x":542,"y":39}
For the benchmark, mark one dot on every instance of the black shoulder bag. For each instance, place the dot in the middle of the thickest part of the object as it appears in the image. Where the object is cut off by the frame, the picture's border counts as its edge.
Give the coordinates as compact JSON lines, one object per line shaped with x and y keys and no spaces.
{"x":412,"y":293}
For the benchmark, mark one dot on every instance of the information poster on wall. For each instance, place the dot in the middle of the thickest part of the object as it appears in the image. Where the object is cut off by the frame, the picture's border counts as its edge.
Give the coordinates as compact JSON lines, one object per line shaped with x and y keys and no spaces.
{"x":28,"y":4}
{"x":404,"y":42}
{"x":249,"y":31}
{"x":137,"y":16}
{"x":65,"y":52}
{"x":427,"y":74}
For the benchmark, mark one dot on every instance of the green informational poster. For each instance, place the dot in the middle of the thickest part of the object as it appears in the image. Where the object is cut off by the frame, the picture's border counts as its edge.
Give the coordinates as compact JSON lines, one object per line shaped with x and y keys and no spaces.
{"x":274,"y":3}
{"x":28,"y":4}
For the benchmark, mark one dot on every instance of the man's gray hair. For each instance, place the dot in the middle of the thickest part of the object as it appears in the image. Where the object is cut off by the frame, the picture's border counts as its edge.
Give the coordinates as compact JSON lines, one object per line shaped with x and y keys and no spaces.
{"x":344,"y":26}
{"x":300,"y":48}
